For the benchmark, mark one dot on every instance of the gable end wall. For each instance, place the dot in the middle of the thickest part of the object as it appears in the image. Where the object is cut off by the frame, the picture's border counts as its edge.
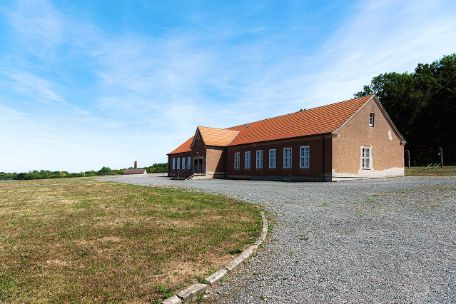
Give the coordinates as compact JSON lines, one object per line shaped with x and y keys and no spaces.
{"x":387,"y":149}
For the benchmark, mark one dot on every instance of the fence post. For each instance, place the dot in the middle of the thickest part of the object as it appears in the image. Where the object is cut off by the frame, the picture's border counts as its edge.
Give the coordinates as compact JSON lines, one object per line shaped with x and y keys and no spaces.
{"x":408,"y":158}
{"x":441,"y":156}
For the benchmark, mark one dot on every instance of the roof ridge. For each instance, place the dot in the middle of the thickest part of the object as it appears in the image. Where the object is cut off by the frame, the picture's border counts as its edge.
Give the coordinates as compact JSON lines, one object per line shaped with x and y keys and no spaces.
{"x":226,"y":129}
{"x":314,"y":108}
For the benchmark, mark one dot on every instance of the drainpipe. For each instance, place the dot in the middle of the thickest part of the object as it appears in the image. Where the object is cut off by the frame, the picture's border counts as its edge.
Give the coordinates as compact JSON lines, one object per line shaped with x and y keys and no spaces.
{"x":323,"y":157}
{"x":226,"y":161}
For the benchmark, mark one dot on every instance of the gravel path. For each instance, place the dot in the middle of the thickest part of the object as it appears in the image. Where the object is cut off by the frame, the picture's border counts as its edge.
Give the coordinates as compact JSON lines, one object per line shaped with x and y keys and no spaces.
{"x":390,"y":240}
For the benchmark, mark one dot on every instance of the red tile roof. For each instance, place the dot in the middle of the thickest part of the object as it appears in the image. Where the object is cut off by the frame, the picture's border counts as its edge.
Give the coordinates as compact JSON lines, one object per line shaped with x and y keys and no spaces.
{"x":185,"y":147}
{"x":319,"y":120}
{"x":217,"y":137}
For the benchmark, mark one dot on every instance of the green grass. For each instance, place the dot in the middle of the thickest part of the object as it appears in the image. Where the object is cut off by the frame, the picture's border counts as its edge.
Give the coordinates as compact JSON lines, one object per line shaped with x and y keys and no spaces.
{"x":431,"y":171}
{"x":78,"y":240}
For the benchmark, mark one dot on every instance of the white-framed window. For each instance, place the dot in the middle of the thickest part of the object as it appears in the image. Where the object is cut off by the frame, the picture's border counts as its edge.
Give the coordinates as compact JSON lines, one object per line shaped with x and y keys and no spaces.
{"x":366,"y":158}
{"x":183,"y":163}
{"x":178,"y":163}
{"x":272,"y":158}
{"x":371,"y":119}
{"x":174,"y":164}
{"x":287,"y":158}
{"x":304,"y":157}
{"x":237,"y":160}
{"x":259,"y":159}
{"x":247,"y":160}
{"x":189,"y":162}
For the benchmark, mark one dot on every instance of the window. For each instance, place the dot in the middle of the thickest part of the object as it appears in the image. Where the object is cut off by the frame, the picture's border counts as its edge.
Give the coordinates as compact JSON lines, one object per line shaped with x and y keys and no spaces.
{"x":366,"y":158}
{"x":304,"y":157}
{"x":371,"y":119}
{"x":287,"y":158}
{"x":259,"y":159}
{"x":178,"y":163}
{"x":183,"y":162}
{"x":247,"y":160}
{"x":189,"y":162}
{"x":272,"y":158}
{"x":237,"y":160}
{"x":174,"y":163}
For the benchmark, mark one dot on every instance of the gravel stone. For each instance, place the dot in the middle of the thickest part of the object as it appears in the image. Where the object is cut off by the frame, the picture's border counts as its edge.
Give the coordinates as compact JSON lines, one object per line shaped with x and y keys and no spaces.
{"x":363,"y":241}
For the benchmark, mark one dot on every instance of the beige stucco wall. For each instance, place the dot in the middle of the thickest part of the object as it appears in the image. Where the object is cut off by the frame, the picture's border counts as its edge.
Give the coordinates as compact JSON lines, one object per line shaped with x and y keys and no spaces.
{"x":386,"y":148}
{"x":215,"y":161}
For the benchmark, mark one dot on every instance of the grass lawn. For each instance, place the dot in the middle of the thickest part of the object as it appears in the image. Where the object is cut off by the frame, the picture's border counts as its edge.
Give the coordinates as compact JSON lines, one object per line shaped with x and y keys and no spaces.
{"x":432,"y":171}
{"x":79,"y":240}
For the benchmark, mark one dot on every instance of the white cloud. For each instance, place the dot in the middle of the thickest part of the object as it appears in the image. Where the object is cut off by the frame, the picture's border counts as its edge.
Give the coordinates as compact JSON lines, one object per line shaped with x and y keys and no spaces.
{"x":36,"y":88}
{"x":37,"y":25}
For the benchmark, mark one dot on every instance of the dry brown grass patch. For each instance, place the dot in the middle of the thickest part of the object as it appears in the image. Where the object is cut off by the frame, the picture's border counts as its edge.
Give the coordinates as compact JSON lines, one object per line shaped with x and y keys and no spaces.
{"x":80,"y":240}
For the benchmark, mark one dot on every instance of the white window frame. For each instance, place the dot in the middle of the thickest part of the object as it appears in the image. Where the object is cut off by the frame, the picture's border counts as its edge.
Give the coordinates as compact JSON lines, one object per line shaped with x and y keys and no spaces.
{"x":259,"y":159}
{"x":178,"y":163}
{"x":372,"y":120}
{"x":248,"y":160}
{"x":189,"y":162}
{"x":366,"y":158}
{"x":272,"y":159}
{"x":184,"y":165}
{"x":304,"y":157}
{"x":237,"y":160}
{"x":287,"y":159}
{"x":174,"y":163}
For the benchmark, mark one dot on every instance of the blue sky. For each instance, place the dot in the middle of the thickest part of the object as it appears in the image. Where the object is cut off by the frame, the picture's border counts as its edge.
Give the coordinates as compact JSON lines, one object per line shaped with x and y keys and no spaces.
{"x":85,"y":84}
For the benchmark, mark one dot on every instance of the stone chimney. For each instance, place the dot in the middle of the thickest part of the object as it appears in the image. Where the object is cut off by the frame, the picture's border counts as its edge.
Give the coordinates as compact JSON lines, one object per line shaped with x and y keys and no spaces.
{"x":135,"y":165}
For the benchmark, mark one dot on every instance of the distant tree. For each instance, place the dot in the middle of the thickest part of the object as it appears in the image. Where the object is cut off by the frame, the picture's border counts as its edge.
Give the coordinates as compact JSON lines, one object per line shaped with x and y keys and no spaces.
{"x":105,"y":171}
{"x":7,"y":176}
{"x":157,"y":168}
{"x":90,"y":173}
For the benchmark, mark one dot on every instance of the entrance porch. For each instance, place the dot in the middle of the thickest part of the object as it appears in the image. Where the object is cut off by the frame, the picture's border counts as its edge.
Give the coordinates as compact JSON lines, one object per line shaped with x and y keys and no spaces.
{"x":199,"y":166}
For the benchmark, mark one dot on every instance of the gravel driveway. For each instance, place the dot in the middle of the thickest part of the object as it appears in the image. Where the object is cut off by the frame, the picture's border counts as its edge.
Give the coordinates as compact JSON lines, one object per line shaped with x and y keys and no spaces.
{"x":369,"y":241}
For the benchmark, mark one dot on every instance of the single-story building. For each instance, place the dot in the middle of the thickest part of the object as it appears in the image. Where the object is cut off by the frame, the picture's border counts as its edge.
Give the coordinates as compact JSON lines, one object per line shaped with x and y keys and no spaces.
{"x":134,"y":170}
{"x":350,"y":139}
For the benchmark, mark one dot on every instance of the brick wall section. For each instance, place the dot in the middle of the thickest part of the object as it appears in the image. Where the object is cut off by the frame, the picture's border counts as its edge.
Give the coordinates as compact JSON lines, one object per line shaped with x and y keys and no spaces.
{"x":315,"y":170}
{"x":387,"y":150}
{"x":198,"y":150}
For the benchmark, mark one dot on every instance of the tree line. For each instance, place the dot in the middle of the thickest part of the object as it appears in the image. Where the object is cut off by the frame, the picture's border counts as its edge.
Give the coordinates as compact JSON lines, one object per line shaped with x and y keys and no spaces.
{"x":422,"y":104}
{"x":45,"y":174}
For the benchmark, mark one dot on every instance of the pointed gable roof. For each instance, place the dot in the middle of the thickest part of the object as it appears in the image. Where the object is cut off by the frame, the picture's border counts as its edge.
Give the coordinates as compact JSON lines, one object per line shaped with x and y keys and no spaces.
{"x":320,"y":120}
{"x":185,"y":147}
{"x":217,"y":137}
